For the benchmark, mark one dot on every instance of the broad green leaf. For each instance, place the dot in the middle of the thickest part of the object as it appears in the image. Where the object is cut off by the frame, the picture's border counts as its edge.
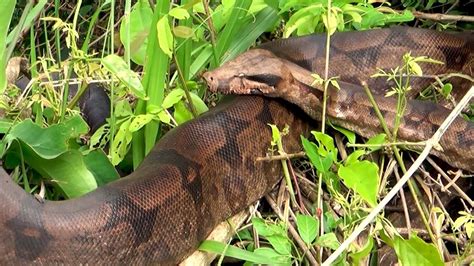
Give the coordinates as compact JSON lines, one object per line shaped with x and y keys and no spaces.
{"x":362,"y":177}
{"x":328,"y":240}
{"x":140,"y":19}
{"x":48,"y":143}
{"x":415,"y":251}
{"x":99,"y":165}
{"x":165,"y":36}
{"x":120,"y":69}
{"x":67,"y":171}
{"x":308,"y":227}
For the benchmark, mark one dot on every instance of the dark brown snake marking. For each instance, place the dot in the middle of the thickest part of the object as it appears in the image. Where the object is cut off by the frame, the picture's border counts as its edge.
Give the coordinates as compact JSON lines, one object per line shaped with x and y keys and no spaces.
{"x":197,"y":175}
{"x":276,"y":70}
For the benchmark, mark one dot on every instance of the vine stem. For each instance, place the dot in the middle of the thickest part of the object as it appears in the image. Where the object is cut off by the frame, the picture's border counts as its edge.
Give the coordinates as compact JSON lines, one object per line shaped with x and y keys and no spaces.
{"x":429,"y":145}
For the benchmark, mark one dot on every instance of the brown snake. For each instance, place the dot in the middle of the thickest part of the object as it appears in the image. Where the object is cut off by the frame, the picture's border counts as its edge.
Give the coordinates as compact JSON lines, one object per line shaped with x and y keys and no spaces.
{"x":197,"y":175}
{"x":276,"y":70}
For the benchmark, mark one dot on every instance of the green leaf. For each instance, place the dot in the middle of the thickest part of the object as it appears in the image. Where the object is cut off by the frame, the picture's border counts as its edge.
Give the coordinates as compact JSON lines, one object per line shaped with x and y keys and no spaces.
{"x":353,"y":157}
{"x":280,"y":243}
{"x":362,"y":177}
{"x":7,"y":7}
{"x":165,"y":36}
{"x":139,"y":121}
{"x":328,"y":240}
{"x":99,"y":165}
{"x":140,"y":19}
{"x":326,"y":144}
{"x":179,"y":13}
{"x":183,"y":32}
{"x":308,"y":227}
{"x":172,"y":98}
{"x":48,"y":143}
{"x":319,"y":162}
{"x":363,"y":252}
{"x":330,"y":21}
{"x":120,"y":142}
{"x":181,"y":113}
{"x":351,"y":137}
{"x":446,"y":90}
{"x":276,"y":136}
{"x":231,"y":251}
{"x":5,"y":125}
{"x":415,"y":251}
{"x":248,"y":34}
{"x":275,"y":257}
{"x":379,"y":139}
{"x":198,"y":103}
{"x":68,"y":171}
{"x":120,"y":69}
{"x":265,"y":229}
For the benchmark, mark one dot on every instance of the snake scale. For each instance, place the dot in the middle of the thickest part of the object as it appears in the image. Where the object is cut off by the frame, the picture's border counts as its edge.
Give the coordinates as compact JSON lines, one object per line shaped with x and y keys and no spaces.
{"x":198,"y":174}
{"x":283,"y":69}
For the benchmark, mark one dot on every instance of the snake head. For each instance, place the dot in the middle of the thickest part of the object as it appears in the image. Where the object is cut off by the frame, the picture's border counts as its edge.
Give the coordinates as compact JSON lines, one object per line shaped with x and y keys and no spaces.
{"x":256,"y":71}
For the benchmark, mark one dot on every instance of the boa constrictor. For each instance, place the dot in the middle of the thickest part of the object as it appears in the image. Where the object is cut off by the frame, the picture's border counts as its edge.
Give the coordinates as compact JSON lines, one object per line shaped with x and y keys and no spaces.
{"x":199,"y":174}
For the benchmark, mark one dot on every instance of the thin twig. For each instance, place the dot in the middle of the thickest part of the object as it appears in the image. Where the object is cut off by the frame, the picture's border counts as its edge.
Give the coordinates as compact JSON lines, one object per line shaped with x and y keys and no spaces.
{"x":442,"y":17}
{"x":285,"y":156}
{"x":462,"y":194}
{"x":434,"y":139}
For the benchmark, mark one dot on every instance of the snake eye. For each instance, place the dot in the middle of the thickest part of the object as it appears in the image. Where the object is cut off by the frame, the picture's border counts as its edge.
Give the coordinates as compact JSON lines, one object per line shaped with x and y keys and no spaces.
{"x":269,"y":79}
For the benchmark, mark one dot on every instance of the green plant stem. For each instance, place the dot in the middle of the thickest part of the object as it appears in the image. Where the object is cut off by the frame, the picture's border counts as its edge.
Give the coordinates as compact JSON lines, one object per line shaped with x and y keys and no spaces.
{"x":57,"y":37}
{"x":112,"y":122}
{"x":186,"y":89}
{"x":212,"y":31}
{"x":399,"y":159}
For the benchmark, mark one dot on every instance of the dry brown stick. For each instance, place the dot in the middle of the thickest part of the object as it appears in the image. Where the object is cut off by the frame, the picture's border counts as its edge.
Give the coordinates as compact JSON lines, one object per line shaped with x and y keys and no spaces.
{"x":281,"y":157}
{"x":456,"y":187}
{"x":442,"y":17}
{"x":404,"y":204}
